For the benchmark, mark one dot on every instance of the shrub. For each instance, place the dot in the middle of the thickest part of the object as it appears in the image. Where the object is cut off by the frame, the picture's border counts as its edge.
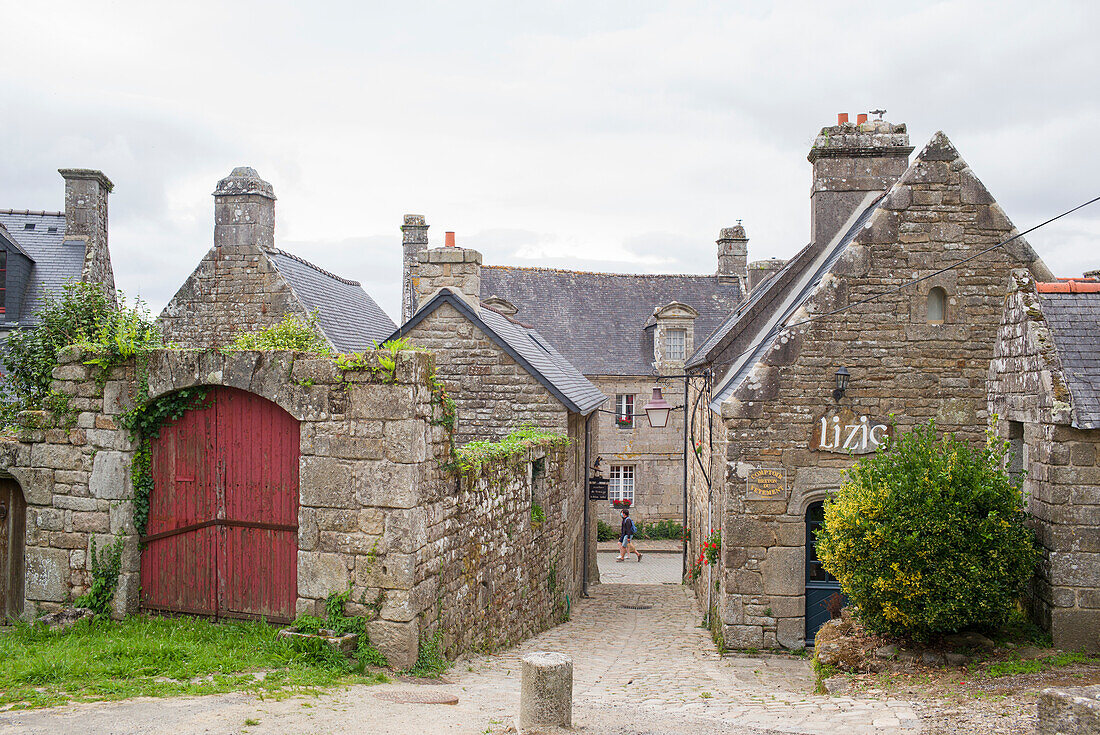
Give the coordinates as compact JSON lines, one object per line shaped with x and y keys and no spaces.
{"x":927,"y":536}
{"x":656,"y":530}
{"x":83,"y":313}
{"x":292,"y":333}
{"x":604,"y":531}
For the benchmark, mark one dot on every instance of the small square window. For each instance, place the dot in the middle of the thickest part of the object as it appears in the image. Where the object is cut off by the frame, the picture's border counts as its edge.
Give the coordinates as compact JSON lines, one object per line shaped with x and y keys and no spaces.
{"x":28,"y":226}
{"x":674,"y":343}
{"x":624,"y":410}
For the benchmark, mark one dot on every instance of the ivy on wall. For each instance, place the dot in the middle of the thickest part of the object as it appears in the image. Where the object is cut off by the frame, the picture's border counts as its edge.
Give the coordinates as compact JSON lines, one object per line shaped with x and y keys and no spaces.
{"x":144,"y":422}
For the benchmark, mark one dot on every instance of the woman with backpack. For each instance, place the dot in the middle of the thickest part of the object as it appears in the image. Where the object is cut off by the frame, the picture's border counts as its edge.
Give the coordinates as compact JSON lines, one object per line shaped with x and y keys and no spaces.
{"x":626,"y":535}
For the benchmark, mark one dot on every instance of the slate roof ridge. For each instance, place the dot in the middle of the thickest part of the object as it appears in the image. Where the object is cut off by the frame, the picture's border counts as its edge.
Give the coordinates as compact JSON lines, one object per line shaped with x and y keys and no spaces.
{"x":317,"y":268}
{"x":601,"y":273}
{"x":33,"y":212}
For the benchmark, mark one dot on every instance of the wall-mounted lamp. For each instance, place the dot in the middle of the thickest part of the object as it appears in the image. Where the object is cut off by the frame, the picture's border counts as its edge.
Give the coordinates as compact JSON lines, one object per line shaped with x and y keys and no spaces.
{"x":843,"y":378}
{"x":657,"y":410}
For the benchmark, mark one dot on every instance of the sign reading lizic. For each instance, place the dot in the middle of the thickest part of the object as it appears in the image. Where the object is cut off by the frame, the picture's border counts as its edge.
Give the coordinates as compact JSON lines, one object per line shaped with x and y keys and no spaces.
{"x":766,"y":483}
{"x":841,"y":431}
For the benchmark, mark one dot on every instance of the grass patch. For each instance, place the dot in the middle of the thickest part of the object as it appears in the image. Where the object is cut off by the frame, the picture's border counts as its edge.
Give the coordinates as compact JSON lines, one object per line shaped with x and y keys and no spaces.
{"x":1034,"y":666}
{"x":160,"y":657}
{"x":430,"y":659}
{"x":821,"y":673}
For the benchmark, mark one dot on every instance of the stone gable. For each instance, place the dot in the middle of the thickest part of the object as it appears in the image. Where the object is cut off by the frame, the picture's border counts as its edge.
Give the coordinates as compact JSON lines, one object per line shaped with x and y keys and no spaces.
{"x":903,"y":367}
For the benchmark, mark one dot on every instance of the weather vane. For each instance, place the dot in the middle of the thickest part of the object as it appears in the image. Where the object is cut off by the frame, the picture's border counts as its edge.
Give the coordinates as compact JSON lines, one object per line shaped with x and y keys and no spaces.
{"x":880,"y":113}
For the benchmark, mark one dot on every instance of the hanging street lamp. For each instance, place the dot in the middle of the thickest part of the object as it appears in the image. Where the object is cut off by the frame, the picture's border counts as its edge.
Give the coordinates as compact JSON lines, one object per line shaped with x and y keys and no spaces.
{"x":657,"y":410}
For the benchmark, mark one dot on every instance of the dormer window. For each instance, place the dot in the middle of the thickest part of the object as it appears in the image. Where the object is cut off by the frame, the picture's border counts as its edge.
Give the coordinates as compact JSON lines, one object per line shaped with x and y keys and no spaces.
{"x":675,"y":340}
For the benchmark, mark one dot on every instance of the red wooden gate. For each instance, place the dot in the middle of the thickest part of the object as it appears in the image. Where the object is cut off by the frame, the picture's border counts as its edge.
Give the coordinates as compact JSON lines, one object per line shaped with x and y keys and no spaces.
{"x":222,"y":537}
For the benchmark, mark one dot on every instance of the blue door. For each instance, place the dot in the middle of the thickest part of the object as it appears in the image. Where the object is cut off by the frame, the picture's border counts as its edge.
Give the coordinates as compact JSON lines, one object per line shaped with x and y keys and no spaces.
{"x":822,"y":589}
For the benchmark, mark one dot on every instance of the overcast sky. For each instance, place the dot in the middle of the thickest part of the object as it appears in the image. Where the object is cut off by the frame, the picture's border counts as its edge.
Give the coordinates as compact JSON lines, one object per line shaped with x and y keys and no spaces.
{"x":594,"y":135}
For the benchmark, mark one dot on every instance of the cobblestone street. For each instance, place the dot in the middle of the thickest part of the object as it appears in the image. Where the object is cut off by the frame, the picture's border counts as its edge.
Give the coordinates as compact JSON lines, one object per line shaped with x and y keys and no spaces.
{"x":641,"y":665}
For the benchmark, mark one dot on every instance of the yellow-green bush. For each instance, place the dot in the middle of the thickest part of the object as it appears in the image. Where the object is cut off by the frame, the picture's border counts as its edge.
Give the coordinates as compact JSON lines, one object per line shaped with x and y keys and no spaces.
{"x":927,"y":536}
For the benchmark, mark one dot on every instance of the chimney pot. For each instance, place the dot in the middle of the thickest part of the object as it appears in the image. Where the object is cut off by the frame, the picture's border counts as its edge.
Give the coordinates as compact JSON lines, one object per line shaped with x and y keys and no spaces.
{"x":450,"y":241}
{"x":841,"y":118}
{"x":861,"y":118}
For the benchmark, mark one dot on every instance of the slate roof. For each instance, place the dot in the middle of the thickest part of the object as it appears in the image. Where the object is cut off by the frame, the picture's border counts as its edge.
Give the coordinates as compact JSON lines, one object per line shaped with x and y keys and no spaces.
{"x":348,"y":316}
{"x":1074,"y":320}
{"x":598,"y":320}
{"x":55,"y":260}
{"x":806,"y":271}
{"x":525,"y":345}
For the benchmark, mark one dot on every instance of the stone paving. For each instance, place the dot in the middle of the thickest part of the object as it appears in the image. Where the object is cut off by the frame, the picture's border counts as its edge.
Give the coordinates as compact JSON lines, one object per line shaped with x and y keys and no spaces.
{"x":641,"y":645}
{"x":654,"y":568}
{"x":646,"y":668}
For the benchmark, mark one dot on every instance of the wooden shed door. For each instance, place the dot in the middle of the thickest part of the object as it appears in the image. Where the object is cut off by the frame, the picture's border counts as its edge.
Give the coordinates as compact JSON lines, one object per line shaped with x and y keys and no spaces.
{"x":13,"y":514}
{"x":222,"y":537}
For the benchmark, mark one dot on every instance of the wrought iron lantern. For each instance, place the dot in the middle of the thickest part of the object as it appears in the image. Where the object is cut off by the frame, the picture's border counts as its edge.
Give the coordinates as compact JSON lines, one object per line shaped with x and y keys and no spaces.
{"x":657,"y":410}
{"x":843,"y":378}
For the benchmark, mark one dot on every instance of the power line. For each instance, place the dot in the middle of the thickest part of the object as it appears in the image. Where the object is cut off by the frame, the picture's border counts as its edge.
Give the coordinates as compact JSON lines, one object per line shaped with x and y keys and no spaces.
{"x":779,"y":328}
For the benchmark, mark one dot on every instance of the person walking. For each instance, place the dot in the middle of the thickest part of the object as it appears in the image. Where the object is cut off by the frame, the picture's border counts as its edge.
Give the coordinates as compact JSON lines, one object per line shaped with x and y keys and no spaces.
{"x":626,"y":536}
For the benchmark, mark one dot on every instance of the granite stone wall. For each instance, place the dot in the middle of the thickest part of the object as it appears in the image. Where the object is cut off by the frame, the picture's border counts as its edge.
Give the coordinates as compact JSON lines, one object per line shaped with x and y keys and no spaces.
{"x":901,"y":366}
{"x":370,"y":451}
{"x":1029,"y":396}
{"x":503,"y":574}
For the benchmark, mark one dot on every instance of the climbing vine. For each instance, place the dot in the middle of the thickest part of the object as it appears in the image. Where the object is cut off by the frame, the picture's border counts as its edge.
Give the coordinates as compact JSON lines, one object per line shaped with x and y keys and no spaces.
{"x":143,"y":422}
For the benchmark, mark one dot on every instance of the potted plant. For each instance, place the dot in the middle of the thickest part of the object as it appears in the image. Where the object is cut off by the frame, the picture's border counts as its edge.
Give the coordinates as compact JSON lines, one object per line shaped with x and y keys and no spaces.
{"x":622,"y":502}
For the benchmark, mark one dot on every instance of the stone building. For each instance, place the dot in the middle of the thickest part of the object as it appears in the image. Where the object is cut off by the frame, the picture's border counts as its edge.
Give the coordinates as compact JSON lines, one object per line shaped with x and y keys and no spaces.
{"x":41,"y":251}
{"x":626,"y":333}
{"x":245,"y":283}
{"x":869,"y":294}
{"x":502,"y":373}
{"x":1044,"y":390}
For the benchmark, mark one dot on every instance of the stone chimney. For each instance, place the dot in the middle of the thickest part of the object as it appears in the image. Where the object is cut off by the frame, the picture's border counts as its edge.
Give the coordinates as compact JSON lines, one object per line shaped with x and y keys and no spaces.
{"x":451,"y":267}
{"x":851,"y":159}
{"x":761,"y":270}
{"x":414,"y":240}
{"x":86,"y":192}
{"x":733,"y":254}
{"x":244,"y":210}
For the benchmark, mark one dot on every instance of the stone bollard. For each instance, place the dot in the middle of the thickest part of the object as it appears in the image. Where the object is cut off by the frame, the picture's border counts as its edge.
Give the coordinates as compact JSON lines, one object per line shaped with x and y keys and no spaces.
{"x":546,"y":697}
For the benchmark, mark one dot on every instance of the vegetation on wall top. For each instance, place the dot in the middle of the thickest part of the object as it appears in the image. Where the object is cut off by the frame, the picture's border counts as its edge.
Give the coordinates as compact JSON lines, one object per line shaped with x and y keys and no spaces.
{"x":292,"y":333}
{"x":471,"y":458}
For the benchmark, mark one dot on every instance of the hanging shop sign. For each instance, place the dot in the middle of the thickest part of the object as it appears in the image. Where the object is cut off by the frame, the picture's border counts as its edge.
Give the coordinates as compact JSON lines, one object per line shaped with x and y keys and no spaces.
{"x":597,"y":488}
{"x":842,"y":431}
{"x":767,"y":483}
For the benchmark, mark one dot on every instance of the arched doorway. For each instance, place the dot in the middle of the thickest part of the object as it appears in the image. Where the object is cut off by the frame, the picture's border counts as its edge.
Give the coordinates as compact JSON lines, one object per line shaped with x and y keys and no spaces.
{"x":822,"y":589}
{"x":222,"y":536}
{"x":13,"y":519}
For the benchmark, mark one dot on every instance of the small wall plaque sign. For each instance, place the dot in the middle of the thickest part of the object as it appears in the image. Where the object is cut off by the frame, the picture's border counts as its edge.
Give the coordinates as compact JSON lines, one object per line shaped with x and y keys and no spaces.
{"x":767,"y":483}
